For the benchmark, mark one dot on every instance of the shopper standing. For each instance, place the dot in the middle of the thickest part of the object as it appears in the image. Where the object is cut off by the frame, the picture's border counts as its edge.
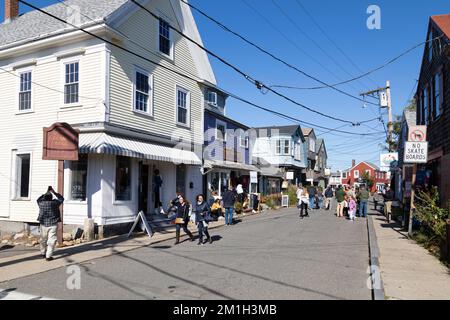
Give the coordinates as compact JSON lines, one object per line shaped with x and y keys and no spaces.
{"x":328,"y":198}
{"x":229,"y":199}
{"x":363,"y":199}
{"x":340,"y":198}
{"x":312,"y":196}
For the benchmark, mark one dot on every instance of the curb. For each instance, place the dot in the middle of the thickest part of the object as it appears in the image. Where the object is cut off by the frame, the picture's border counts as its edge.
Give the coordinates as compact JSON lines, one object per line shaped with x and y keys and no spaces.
{"x":377,"y":286}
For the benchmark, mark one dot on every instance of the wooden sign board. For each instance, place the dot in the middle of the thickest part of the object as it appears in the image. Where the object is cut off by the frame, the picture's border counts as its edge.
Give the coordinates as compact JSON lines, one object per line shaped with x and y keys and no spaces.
{"x":60,"y":142}
{"x":147,"y":228}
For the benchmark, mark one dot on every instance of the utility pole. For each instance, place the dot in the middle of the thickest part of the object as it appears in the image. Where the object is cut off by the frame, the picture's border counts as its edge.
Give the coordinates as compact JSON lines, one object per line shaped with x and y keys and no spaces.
{"x":384,"y":96}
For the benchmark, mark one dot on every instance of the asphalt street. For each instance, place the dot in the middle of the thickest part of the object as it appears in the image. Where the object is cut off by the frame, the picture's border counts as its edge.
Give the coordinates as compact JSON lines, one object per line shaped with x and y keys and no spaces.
{"x":274,"y":255}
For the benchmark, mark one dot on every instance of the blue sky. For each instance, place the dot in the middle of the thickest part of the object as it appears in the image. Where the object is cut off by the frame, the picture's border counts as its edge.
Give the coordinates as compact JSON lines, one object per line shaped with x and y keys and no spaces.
{"x":403,"y":25}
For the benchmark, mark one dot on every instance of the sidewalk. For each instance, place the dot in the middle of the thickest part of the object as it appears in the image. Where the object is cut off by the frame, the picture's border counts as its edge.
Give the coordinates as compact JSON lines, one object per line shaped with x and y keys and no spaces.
{"x":23,"y":265}
{"x":408,"y":270}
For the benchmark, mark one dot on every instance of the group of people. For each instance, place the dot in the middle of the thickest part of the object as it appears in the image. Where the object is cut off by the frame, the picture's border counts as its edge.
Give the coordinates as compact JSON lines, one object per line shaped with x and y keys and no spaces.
{"x":202,"y":212}
{"x":351,"y":202}
{"x":313,"y":198}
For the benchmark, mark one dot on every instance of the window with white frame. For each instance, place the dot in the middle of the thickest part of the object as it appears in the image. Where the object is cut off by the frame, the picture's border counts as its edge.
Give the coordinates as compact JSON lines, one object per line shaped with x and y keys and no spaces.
{"x":312,"y":145}
{"x":25,"y":91}
{"x":344,"y":175}
{"x":78,"y":178}
{"x":165,"y":43}
{"x":356,"y":174}
{"x":71,"y":82}
{"x":298,"y":152}
{"x":143,"y":91}
{"x":221,"y":130}
{"x":123,"y":178}
{"x":282,"y":147}
{"x":211,"y":98}
{"x":183,"y":106}
{"x":243,"y":139}
{"x":368,"y":173}
{"x":23,"y":166}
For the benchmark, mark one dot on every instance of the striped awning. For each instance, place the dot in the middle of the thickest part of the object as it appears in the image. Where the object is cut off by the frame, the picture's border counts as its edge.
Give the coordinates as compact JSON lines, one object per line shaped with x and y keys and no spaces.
{"x":103,"y":143}
{"x":229,"y":165}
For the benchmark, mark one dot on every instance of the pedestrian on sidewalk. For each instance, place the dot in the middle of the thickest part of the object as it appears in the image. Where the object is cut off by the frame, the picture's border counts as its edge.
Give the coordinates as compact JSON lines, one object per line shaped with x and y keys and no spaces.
{"x":340,"y":198}
{"x":182,"y":219}
{"x":388,"y":198}
{"x":202,"y":217}
{"x":312,"y":197}
{"x":352,"y":208}
{"x":363,"y":199}
{"x":299,"y":193}
{"x":328,"y":198}
{"x":303,"y":202}
{"x":49,"y":216}
{"x":229,"y":200}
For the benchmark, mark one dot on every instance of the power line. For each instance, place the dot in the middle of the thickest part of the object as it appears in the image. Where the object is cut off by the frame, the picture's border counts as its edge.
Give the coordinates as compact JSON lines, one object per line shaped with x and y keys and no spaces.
{"x":389,"y":62}
{"x":271,"y":54}
{"x":188,"y":77}
{"x":255,"y":82}
{"x":297,"y":26}
{"x":330,"y":39}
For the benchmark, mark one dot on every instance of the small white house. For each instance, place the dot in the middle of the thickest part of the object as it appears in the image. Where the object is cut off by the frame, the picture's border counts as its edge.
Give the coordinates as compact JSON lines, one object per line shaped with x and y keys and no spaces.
{"x":131,"y":112}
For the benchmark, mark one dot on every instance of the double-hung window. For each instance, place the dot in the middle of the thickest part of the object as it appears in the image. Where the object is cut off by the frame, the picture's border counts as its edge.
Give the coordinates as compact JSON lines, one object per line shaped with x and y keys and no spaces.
{"x":71,"y":82}
{"x":221,"y":131}
{"x":165,"y":43}
{"x":211,"y":98}
{"x":243,"y":140}
{"x":356,"y":174}
{"x":425,"y":106}
{"x":282,"y":147}
{"x":183,"y":106}
{"x":25,"y":91}
{"x":143,"y":92}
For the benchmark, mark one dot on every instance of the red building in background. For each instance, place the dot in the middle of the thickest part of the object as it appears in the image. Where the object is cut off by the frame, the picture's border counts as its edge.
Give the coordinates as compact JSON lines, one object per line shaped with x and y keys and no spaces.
{"x":353,"y":176}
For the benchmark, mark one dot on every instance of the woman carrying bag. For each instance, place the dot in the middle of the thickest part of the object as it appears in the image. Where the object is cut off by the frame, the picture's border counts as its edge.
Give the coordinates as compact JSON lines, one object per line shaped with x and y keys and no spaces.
{"x":202,"y":218}
{"x":182,"y":219}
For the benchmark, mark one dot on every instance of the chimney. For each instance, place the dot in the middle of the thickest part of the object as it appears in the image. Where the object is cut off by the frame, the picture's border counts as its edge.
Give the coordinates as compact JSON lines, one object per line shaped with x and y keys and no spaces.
{"x":11,"y":10}
{"x":353,"y":163}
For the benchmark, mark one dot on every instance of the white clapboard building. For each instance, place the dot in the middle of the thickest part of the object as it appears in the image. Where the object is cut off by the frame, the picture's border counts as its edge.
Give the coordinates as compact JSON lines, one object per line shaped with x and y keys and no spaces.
{"x":131,"y":112}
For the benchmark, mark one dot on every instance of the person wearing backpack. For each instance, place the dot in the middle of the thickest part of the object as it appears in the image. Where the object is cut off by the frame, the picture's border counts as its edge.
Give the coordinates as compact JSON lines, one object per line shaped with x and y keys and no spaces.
{"x":340,"y":198}
{"x":229,"y":199}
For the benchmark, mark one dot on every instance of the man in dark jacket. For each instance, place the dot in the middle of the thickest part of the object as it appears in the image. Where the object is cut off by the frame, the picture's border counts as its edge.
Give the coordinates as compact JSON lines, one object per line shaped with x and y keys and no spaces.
{"x":328,"y":197}
{"x":340,"y":197}
{"x":363,"y":197}
{"x":388,"y":198}
{"x":229,"y":199}
{"x":49,"y":216}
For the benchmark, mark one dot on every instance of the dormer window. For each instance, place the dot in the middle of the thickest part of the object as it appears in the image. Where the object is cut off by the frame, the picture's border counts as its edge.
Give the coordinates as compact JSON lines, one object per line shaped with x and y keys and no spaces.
{"x":211,"y":98}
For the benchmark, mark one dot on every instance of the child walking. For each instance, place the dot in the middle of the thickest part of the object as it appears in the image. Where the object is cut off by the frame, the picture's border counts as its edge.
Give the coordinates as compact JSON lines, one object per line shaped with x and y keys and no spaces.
{"x":352,"y":208}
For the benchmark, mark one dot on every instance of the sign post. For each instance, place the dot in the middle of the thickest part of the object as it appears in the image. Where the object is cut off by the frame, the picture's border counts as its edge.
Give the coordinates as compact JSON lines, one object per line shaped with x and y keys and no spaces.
{"x":416,"y":151}
{"x":60,"y":143}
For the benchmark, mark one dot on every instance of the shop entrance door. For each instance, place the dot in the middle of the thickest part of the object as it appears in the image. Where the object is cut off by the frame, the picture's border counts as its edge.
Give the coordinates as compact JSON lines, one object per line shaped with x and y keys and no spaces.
{"x":143,"y":187}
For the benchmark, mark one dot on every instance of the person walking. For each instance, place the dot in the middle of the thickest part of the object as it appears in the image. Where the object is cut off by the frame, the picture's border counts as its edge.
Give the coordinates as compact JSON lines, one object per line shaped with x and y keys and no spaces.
{"x":328,"y":198}
{"x":229,"y":199}
{"x":202,"y":218}
{"x":340,"y":198}
{"x":304,"y":199}
{"x":351,"y":208}
{"x":182,"y":218}
{"x":388,"y":198}
{"x":363,"y":199}
{"x":312,"y":196}
{"x":49,"y":216}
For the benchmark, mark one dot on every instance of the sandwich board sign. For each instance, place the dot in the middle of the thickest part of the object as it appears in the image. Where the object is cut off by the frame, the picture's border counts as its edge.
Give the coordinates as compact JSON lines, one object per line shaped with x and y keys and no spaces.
{"x":147,"y":228}
{"x":416,"y":152}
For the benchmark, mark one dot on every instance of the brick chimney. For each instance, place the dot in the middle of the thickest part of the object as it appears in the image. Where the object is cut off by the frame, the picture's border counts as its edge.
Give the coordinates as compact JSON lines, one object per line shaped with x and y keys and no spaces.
{"x":11,"y":10}
{"x":353,"y":163}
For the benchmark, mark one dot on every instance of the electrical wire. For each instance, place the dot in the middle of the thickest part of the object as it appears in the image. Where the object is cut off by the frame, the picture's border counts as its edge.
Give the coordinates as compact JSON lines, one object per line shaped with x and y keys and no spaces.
{"x":273,"y":55}
{"x":188,"y":77}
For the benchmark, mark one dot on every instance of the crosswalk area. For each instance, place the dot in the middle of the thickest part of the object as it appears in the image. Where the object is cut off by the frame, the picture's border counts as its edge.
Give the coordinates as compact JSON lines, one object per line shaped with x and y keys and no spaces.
{"x":12,"y":294}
